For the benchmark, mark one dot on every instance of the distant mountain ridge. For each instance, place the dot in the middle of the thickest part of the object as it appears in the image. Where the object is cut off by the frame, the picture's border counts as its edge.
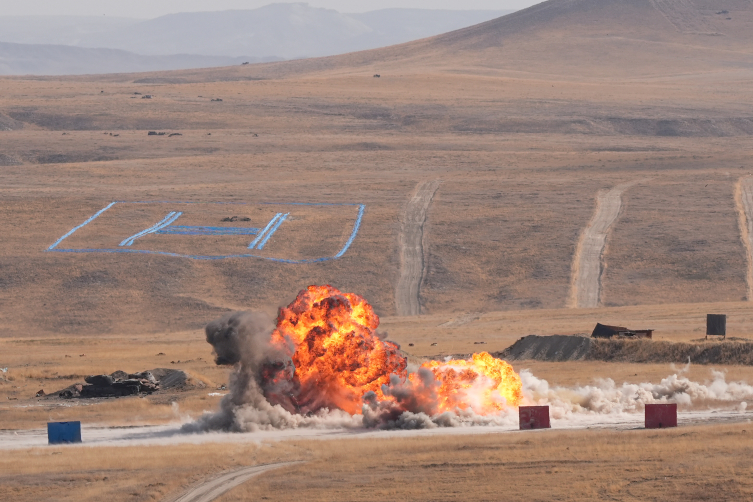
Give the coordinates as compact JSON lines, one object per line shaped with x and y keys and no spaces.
{"x":33,"y":59}
{"x":287,"y":31}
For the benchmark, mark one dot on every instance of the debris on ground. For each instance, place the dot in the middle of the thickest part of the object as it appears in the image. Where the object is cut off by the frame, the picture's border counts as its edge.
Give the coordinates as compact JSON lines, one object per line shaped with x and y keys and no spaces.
{"x":232,"y":219}
{"x":606,"y":331}
{"x":120,"y":384}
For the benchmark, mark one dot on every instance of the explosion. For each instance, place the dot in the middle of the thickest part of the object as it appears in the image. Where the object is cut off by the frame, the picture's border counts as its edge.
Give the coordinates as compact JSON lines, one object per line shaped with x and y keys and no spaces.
{"x":337,"y":356}
{"x":325,"y":354}
{"x":323,"y":365}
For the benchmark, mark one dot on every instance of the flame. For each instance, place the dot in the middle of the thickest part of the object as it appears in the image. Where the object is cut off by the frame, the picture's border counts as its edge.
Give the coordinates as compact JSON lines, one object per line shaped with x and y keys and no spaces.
{"x":336,"y":357}
{"x":485,"y":384}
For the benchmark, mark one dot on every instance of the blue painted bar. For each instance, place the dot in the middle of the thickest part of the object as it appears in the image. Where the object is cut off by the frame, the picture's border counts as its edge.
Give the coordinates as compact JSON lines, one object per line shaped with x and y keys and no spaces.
{"x":266,"y":229}
{"x":166,"y":221}
{"x":349,"y":242}
{"x":63,"y":432}
{"x":274,"y":229}
{"x":197,"y":230}
{"x":81,"y":226}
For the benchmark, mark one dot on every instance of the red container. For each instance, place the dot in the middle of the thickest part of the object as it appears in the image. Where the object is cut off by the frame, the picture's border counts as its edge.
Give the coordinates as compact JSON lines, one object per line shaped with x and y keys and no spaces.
{"x":660,"y":416}
{"x":534,"y":417}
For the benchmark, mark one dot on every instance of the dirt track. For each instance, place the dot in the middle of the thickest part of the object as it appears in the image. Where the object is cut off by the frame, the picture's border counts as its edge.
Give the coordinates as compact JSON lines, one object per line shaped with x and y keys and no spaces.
{"x":744,"y":204}
{"x":412,"y":249}
{"x":215,"y":488}
{"x":585,"y":291}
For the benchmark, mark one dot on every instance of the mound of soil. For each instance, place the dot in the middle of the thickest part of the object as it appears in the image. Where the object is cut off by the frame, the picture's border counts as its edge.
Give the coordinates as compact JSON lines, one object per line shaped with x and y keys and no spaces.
{"x":559,"y":348}
{"x":548,"y":348}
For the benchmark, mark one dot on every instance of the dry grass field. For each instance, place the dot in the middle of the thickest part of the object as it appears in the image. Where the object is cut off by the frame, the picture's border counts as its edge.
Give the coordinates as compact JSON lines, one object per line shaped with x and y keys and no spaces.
{"x":524,"y":120}
{"x":689,"y":463}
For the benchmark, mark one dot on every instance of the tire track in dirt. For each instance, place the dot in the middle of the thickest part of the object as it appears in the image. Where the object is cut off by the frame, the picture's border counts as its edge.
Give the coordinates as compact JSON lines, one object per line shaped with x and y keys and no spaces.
{"x":587,"y":268}
{"x":213,"y":489}
{"x":744,"y":206}
{"x":412,"y":249}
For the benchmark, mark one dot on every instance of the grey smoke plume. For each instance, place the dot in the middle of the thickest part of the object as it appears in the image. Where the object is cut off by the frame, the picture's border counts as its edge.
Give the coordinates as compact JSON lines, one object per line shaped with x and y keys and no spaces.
{"x":242,"y":339}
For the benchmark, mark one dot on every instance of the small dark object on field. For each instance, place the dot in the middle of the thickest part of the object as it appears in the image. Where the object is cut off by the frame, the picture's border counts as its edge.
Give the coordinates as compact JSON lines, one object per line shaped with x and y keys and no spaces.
{"x":433,"y":344}
{"x":235,"y":218}
{"x":256,"y":135}
{"x":67,"y":355}
{"x":175,"y":134}
{"x":155,"y":133}
{"x":137,"y":94}
{"x":146,"y":96}
{"x":723,"y":12}
{"x":479,"y":343}
{"x":161,"y":354}
{"x":410,"y":345}
{"x":245,"y":63}
{"x":82,"y":355}
{"x":216,"y":99}
{"x":40,"y":393}
{"x":377,"y":76}
{"x":209,"y":134}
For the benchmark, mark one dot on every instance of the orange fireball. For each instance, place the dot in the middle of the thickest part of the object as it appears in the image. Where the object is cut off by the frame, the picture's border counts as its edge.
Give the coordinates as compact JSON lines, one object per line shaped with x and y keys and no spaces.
{"x":336,"y":357}
{"x":485,"y":384}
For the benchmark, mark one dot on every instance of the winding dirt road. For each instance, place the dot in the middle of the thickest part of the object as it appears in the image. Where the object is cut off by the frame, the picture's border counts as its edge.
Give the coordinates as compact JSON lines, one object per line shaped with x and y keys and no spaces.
{"x":585,"y":289}
{"x":216,"y":487}
{"x":412,"y":249}
{"x":744,"y":204}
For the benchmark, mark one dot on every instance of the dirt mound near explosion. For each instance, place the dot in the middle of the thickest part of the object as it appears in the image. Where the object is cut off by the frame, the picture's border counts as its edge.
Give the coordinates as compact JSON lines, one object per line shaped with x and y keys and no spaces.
{"x":559,"y":348}
{"x":548,"y":348}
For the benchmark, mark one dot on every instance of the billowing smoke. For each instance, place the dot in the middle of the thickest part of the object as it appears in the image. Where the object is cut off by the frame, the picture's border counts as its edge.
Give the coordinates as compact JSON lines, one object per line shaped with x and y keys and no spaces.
{"x":605,"y":397}
{"x":322,"y":365}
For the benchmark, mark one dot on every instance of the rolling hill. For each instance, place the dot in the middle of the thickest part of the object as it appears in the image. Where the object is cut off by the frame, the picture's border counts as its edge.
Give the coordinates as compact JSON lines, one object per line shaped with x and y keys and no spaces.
{"x":521,"y":124}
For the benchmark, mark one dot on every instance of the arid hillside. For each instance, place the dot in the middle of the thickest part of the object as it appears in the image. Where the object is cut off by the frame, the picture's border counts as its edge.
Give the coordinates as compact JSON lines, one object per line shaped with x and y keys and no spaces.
{"x":271,"y":177}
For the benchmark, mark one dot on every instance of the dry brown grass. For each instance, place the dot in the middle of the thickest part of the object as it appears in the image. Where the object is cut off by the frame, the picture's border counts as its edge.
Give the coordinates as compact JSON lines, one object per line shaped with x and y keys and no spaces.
{"x":122,"y":473}
{"x":698,"y":463}
{"x":688,"y":463}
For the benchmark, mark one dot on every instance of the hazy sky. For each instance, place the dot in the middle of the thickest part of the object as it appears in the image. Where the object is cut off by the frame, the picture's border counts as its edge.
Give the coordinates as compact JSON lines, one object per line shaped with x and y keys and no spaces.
{"x":155,"y":8}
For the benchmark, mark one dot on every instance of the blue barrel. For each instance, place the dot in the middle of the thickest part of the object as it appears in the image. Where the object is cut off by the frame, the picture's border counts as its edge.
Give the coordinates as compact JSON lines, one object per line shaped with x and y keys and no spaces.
{"x":63,"y":432}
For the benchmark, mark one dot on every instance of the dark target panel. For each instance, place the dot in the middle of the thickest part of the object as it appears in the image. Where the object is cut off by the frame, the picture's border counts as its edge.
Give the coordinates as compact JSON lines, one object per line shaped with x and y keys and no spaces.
{"x":660,"y":416}
{"x":534,"y":417}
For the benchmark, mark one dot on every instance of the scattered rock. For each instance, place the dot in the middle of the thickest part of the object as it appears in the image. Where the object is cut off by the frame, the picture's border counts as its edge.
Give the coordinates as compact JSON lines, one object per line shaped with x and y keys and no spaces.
{"x":155,"y":133}
{"x":175,"y":134}
{"x":410,"y":345}
{"x":40,"y":393}
{"x":216,"y":99}
{"x":146,"y":96}
{"x":434,"y":344}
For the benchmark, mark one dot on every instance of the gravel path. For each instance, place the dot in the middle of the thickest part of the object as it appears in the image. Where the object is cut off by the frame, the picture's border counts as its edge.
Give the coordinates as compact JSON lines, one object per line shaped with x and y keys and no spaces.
{"x":213,"y":489}
{"x":744,"y":204}
{"x":585,"y":291}
{"x":412,"y":249}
